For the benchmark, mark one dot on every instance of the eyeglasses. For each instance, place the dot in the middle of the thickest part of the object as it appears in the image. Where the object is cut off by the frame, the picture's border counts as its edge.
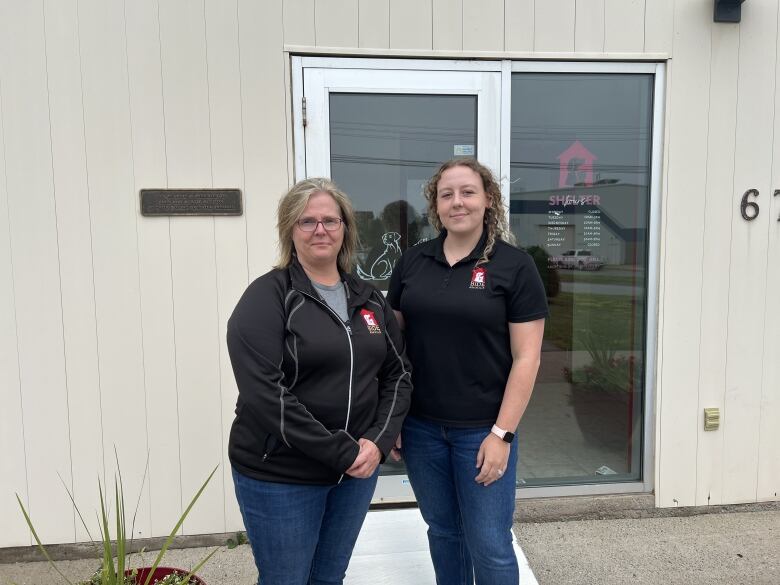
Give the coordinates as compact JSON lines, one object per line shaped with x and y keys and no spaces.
{"x":309,"y":224}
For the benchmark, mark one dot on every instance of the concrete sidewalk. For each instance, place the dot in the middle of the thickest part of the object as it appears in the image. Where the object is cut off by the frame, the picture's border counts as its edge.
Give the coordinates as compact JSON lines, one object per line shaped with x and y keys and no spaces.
{"x":730,"y":547}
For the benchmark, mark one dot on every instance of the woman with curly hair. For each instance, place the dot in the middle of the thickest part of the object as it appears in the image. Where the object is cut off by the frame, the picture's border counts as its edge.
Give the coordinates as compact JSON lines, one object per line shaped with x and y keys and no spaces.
{"x":473,"y":308}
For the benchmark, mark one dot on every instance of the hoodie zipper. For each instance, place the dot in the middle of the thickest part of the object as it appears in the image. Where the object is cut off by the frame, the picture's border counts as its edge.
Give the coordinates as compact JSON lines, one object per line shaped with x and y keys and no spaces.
{"x":348,"y":330}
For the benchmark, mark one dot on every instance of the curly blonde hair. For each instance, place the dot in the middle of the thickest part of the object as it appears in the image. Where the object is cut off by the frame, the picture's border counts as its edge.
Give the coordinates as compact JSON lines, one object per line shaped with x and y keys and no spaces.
{"x":496,"y":222}
{"x":291,"y":208}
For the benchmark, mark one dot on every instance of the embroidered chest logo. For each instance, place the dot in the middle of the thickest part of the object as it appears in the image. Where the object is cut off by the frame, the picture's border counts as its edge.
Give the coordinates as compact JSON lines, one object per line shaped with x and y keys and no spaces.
{"x":478,"y":276}
{"x":371,"y":324}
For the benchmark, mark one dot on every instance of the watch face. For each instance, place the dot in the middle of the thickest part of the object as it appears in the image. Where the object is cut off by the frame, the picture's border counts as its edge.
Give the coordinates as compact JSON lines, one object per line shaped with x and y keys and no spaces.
{"x":509,"y":437}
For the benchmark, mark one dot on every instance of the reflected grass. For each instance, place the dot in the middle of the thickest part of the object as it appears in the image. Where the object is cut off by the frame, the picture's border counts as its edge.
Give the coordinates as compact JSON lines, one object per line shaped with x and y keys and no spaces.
{"x":576,"y":319}
{"x":600,"y":278}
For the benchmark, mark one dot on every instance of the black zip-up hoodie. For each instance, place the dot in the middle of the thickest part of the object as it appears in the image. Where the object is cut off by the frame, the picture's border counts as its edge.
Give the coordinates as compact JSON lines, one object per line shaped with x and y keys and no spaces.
{"x":310,"y":385}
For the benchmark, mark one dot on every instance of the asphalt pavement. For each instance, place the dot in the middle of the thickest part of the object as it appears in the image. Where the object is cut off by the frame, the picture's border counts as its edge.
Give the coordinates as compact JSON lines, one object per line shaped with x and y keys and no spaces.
{"x":739,"y":548}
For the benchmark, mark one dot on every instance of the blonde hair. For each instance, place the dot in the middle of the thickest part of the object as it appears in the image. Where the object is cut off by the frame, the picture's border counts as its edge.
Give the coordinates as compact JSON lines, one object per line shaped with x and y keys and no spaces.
{"x":496,"y":222}
{"x":291,"y":208}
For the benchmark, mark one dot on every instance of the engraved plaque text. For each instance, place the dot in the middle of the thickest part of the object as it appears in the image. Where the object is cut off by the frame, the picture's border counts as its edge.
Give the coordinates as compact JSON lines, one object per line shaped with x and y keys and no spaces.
{"x":155,"y":202}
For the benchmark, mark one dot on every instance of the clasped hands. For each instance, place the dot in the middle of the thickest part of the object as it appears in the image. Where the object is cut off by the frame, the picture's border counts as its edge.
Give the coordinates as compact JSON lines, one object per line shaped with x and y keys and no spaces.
{"x":366,"y":461}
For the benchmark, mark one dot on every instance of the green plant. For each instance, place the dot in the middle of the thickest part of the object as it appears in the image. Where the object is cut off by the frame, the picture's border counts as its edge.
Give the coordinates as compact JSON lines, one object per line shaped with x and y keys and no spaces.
{"x":549,"y":274}
{"x":116,"y":571}
{"x":607,"y":371}
{"x":237,"y":540}
{"x":175,"y":578}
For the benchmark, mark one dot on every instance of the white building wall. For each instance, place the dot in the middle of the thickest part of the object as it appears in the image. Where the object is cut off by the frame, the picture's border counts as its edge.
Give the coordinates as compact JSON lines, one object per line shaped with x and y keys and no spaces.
{"x":714,"y":295}
{"x":112,"y":325}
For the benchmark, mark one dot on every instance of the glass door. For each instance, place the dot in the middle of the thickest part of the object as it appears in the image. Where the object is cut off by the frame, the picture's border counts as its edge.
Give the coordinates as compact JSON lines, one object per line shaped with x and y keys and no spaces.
{"x":577,"y":147}
{"x":380,"y":134}
{"x":581,"y":176}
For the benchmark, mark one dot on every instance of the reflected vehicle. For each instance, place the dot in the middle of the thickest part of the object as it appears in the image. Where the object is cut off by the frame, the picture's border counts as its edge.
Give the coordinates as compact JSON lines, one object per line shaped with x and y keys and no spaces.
{"x":579,"y":259}
{"x":584,"y":424}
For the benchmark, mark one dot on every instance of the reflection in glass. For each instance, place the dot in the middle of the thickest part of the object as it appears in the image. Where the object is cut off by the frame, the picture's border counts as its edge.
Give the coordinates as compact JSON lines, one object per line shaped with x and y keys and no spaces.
{"x":384,"y":147}
{"x":580,"y":194}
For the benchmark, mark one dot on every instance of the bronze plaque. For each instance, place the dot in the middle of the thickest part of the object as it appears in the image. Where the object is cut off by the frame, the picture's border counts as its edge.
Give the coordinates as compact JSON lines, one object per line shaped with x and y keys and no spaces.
{"x":191,"y":202}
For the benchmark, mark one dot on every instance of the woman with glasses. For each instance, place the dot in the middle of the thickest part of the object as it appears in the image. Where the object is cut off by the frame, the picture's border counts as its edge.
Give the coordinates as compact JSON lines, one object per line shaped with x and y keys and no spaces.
{"x":324,"y":386}
{"x":473,"y":307}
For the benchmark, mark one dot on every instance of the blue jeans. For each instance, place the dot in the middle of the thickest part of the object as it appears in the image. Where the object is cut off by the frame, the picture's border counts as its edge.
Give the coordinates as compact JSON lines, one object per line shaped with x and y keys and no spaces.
{"x":302,"y":534}
{"x":469,"y":525}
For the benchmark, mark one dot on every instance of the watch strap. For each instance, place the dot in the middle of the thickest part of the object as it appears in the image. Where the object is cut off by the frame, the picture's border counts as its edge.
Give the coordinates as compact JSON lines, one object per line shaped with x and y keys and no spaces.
{"x":502,"y":434}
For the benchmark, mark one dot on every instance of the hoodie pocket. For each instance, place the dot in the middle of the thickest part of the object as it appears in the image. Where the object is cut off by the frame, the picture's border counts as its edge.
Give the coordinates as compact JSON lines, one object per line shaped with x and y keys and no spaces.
{"x":270,"y":447}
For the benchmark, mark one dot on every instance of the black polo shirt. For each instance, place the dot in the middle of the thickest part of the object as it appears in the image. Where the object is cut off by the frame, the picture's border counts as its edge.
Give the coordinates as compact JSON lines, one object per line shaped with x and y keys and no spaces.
{"x":457,"y":326}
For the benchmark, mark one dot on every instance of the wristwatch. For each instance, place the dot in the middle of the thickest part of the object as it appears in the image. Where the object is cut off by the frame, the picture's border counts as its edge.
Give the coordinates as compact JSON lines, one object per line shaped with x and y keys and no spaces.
{"x":502,"y":434}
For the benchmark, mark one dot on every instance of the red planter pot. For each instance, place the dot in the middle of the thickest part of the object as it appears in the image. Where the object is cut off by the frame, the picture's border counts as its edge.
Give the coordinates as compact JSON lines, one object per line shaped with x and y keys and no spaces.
{"x":161,"y":572}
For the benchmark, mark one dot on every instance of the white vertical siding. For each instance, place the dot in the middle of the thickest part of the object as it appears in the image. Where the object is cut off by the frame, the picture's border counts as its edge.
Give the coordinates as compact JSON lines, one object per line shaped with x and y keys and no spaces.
{"x":747,"y":317}
{"x":193,"y":258}
{"x":589,"y":27}
{"x":483,"y":25}
{"x":35,"y":262}
{"x":145,"y":84}
{"x":299,"y":26}
{"x":114,"y":211}
{"x":265,"y":119}
{"x":13,"y":467}
{"x":678,"y":416}
{"x":448,"y":30}
{"x":624,"y":26}
{"x":519,"y":25}
{"x":227,"y":161}
{"x":719,"y":207}
{"x":554,"y":26}
{"x":74,"y":242}
{"x":336,"y":23}
{"x":411,"y":24}
{"x":768,"y":487}
{"x":374,"y":24}
{"x":659,"y":26}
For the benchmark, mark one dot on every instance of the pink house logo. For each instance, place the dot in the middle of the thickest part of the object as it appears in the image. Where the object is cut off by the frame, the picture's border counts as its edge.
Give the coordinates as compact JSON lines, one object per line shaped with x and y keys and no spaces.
{"x":576,"y":166}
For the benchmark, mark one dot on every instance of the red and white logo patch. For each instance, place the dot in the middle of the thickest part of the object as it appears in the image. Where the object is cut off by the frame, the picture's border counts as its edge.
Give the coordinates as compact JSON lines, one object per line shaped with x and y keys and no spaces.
{"x":371,"y":324}
{"x":478,"y":278}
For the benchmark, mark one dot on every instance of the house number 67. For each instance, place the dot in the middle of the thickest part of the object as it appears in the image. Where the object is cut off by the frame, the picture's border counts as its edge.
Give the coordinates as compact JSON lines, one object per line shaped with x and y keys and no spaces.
{"x":750,"y":209}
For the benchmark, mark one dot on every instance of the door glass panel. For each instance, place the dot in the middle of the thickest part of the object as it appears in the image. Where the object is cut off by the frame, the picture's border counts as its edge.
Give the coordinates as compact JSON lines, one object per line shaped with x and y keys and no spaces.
{"x":580,"y":195}
{"x":383,"y":147}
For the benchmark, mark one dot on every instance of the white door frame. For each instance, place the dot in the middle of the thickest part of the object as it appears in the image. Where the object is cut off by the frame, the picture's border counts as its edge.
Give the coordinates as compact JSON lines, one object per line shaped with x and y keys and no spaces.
{"x":319,"y":82}
{"x":426,"y":76}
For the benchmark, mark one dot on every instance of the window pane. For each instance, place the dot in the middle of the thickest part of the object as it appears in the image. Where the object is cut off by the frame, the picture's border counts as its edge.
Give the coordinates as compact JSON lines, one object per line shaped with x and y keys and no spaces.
{"x":580,"y":195}
{"x":383,"y":149}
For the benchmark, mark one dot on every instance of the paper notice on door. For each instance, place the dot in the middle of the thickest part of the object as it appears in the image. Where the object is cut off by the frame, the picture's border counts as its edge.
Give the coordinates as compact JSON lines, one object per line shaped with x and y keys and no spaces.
{"x":463,"y":150}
